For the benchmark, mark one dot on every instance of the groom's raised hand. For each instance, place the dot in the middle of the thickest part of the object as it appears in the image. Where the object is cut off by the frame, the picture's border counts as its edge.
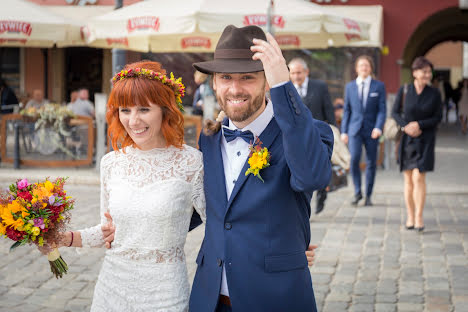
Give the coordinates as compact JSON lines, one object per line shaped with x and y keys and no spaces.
{"x":108,"y":230}
{"x":274,"y":64}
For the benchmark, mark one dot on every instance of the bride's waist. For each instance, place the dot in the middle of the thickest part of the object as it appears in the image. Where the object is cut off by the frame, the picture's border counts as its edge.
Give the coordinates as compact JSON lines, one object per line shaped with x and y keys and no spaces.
{"x":172,"y":254}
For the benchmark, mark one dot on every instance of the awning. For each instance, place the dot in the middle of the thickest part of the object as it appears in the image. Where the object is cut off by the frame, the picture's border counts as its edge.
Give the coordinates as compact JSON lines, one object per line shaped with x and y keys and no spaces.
{"x":196,"y":25}
{"x":26,"y":24}
{"x":372,"y":14}
{"x":78,"y":15}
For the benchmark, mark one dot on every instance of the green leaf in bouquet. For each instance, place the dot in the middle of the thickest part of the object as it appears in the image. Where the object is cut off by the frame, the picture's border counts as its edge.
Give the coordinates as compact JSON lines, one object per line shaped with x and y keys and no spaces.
{"x":13,"y":188}
{"x":16,"y":244}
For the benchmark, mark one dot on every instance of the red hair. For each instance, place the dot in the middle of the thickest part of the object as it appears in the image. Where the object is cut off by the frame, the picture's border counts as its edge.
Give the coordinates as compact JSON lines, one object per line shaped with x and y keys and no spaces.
{"x":140,"y":91}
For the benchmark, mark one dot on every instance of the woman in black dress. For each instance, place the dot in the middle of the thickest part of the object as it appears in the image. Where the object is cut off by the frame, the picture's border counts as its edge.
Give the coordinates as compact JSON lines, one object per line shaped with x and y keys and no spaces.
{"x":419,"y":116}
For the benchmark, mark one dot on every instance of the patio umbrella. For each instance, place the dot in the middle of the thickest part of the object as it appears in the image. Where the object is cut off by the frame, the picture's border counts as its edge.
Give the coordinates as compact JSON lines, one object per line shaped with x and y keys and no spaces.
{"x":77,"y":16}
{"x":25,"y":24}
{"x":195,"y":25}
{"x":144,"y":26}
{"x":297,"y":24}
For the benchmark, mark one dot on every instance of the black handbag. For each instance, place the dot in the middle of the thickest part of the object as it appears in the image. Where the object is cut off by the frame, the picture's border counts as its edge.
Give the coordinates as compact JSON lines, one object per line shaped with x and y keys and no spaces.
{"x":339,"y":178}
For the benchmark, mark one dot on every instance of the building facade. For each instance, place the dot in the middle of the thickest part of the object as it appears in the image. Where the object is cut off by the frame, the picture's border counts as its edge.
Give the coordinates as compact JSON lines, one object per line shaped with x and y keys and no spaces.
{"x":410,"y":28}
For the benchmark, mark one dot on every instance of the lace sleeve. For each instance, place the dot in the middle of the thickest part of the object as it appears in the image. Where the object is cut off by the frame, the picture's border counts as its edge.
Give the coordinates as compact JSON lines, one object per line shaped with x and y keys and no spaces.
{"x":92,"y":236}
{"x":198,"y":194}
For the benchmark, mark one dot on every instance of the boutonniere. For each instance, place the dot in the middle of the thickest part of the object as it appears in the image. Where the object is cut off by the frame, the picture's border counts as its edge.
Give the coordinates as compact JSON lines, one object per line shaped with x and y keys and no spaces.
{"x":259,"y":158}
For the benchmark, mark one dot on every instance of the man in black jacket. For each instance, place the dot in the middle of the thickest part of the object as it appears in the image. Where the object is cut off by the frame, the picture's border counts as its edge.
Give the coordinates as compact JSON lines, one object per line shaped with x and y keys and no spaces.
{"x":316,"y":97}
{"x":7,"y":98}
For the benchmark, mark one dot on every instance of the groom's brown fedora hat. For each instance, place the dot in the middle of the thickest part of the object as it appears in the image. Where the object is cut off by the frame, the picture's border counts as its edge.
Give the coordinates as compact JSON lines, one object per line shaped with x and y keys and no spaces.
{"x":232,"y":54}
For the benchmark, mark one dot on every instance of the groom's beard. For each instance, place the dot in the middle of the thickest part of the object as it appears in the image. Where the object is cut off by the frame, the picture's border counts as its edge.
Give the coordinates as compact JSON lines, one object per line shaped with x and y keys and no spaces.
{"x":240,"y":114}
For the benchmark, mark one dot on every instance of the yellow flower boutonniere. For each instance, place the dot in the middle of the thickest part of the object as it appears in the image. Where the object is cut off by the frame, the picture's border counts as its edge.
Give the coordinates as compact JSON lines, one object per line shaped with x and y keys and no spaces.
{"x":259,"y":158}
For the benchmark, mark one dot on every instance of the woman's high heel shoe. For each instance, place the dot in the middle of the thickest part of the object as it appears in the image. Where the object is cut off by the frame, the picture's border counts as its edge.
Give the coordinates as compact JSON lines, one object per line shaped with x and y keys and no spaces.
{"x":419,"y":229}
{"x":409,"y":227}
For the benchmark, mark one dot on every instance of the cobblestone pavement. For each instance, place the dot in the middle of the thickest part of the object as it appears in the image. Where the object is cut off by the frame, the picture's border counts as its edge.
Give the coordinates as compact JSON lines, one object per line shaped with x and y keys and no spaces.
{"x":366,"y":260}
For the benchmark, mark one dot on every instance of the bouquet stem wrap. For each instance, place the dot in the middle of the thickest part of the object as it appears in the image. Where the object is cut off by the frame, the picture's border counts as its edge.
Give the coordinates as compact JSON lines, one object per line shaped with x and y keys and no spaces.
{"x":58,"y":266}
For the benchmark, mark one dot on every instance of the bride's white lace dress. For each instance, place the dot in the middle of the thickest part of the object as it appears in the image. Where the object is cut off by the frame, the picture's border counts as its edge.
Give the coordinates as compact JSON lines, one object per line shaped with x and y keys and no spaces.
{"x":150,"y":195}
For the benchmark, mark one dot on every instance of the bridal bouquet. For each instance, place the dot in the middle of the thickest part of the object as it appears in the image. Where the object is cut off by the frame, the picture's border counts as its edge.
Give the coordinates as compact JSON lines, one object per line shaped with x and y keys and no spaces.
{"x":35,"y":214}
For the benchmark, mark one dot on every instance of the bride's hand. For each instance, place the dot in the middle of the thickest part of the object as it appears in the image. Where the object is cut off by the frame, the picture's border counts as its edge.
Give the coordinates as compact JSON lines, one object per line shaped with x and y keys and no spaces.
{"x":108,"y":230}
{"x":45,"y":249}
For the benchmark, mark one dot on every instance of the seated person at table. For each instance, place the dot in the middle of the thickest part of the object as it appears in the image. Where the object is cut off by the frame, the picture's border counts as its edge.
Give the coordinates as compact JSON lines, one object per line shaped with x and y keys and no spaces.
{"x":82,"y":106}
{"x":73,"y":97}
{"x":37,"y":100}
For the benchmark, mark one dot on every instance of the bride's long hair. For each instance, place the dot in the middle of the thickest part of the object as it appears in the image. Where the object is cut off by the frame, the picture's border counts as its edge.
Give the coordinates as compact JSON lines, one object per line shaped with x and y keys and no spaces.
{"x":141,"y":91}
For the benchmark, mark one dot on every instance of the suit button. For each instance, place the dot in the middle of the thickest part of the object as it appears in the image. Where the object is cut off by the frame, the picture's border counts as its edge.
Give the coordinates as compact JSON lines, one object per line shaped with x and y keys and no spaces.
{"x":227,"y":226}
{"x":293,"y":99}
{"x":298,"y":111}
{"x":291,"y":93}
{"x":219,"y":261}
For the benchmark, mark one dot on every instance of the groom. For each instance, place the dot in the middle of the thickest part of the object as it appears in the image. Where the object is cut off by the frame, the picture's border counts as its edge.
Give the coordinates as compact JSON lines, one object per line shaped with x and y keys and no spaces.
{"x":252,"y":257}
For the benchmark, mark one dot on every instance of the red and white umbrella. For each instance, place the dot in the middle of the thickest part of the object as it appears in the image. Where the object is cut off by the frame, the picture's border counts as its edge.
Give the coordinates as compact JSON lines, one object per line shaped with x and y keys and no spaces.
{"x":297,"y":24}
{"x":23,"y":23}
{"x":196,"y":25}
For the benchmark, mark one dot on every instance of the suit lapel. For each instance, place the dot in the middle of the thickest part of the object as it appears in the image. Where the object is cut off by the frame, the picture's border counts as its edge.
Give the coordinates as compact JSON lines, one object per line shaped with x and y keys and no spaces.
{"x":267,"y":137}
{"x":215,"y":159}
{"x":371,"y":90}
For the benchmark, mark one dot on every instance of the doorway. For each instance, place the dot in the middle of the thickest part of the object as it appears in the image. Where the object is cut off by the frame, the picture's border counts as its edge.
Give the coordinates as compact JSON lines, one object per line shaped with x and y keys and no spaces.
{"x":83,"y":69}
{"x":447,"y":25}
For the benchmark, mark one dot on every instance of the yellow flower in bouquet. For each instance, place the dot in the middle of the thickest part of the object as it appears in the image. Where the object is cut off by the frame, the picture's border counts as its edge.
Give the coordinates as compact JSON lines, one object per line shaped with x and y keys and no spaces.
{"x":40,"y":192}
{"x":9,"y":220}
{"x":24,"y":213}
{"x":35,"y":231}
{"x":48,"y":185}
{"x":15,"y":206}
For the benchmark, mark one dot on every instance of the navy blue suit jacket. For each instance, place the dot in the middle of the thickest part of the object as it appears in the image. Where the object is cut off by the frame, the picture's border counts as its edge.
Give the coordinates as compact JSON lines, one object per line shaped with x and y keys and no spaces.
{"x":261,"y":233}
{"x":355,"y":117}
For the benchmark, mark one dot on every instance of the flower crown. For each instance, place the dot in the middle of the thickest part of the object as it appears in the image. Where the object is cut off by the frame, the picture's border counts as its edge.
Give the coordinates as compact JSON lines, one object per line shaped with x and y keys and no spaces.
{"x":175,"y":84}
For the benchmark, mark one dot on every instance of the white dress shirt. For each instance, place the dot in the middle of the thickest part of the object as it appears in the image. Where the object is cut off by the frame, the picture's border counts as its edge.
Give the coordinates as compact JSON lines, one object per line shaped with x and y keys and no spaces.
{"x":302,"y":89}
{"x":367,"y":82}
{"x":235,"y":155}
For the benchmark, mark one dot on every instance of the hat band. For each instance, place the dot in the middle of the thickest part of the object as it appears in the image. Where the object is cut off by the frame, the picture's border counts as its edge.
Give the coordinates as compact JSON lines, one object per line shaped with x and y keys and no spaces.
{"x":233,"y":54}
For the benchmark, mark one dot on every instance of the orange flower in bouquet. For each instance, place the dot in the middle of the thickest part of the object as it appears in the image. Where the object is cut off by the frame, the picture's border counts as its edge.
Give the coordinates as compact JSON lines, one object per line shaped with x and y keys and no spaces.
{"x":36,"y":214}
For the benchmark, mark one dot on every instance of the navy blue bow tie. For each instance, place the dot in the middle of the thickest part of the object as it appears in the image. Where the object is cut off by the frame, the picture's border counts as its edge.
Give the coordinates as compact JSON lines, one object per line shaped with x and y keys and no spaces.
{"x":231,"y":135}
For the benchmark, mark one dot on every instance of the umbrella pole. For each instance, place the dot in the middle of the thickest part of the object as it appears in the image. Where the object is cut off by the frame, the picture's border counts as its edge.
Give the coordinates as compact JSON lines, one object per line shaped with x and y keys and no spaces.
{"x":119,"y":56}
{"x":270,"y":10}
{"x":46,"y":73}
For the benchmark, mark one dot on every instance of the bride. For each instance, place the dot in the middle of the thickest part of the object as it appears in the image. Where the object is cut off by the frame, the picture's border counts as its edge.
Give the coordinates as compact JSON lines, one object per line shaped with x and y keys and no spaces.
{"x":149,"y":186}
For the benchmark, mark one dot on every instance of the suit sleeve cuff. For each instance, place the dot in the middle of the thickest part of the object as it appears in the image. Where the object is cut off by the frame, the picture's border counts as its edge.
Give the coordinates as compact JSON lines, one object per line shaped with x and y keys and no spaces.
{"x":280,"y":84}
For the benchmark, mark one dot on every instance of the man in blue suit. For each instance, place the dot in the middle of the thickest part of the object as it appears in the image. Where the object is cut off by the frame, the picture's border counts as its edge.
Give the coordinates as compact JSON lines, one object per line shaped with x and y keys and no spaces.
{"x":362,"y":124}
{"x":257,"y":230}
